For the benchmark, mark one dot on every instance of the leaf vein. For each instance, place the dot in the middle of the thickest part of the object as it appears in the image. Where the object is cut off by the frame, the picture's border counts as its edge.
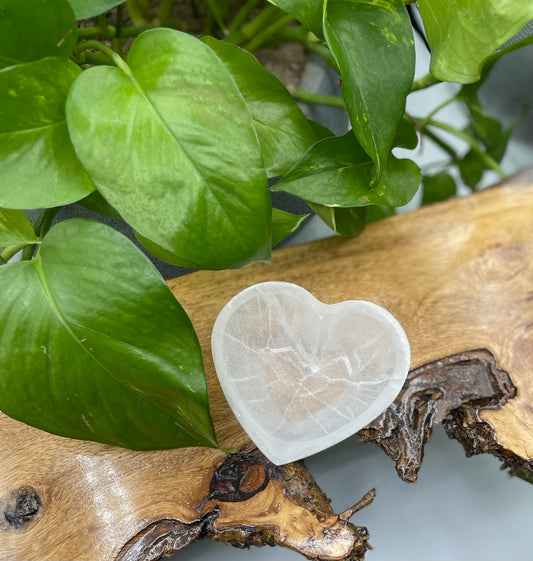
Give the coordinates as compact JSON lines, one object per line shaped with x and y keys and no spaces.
{"x":56,"y":310}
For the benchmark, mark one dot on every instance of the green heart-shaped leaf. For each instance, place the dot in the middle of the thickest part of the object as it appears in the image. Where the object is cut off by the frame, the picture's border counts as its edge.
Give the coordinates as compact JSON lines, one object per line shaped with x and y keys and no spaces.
{"x":338,"y":172}
{"x":438,"y":188}
{"x":38,"y":162}
{"x":284,"y":223}
{"x":95,"y":346}
{"x":373,"y":44}
{"x":307,"y":12}
{"x":169,"y":141}
{"x":90,"y":8}
{"x":15,"y":228}
{"x":34,"y":29}
{"x":283,"y":130}
{"x":406,"y":136}
{"x":343,"y":221}
{"x":463,"y":34}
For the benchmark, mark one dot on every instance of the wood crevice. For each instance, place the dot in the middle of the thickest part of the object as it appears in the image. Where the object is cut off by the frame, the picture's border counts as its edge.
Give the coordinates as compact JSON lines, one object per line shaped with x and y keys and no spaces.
{"x":452,"y":391}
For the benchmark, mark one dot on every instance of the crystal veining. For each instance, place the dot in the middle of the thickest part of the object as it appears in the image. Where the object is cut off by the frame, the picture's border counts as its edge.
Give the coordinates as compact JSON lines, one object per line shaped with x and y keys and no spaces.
{"x":301,"y":375}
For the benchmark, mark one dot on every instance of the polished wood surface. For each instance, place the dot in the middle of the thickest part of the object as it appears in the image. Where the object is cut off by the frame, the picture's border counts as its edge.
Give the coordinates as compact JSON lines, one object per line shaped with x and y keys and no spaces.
{"x":457,"y":275}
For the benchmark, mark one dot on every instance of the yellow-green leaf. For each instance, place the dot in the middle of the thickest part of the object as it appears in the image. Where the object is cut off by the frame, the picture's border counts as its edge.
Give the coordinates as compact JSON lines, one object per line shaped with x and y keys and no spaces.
{"x":463,"y":34}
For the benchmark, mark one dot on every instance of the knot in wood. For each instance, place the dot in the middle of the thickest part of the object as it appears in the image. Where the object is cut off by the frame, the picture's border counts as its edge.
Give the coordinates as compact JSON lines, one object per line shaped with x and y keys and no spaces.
{"x":21,"y":506}
{"x":238,"y":478}
{"x":498,"y":264}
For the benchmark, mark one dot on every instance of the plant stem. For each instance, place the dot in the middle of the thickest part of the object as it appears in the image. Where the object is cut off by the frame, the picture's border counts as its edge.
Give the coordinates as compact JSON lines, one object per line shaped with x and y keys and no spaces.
{"x":28,"y":251}
{"x":213,"y":10}
{"x":117,"y":40}
{"x":165,"y":9}
{"x":44,"y":221}
{"x":37,"y":223}
{"x":41,"y":225}
{"x":94,"y":59}
{"x":139,"y":11}
{"x":209,"y":21}
{"x":104,"y":28}
{"x":91,"y":32}
{"x":242,"y":14}
{"x":330,"y":100}
{"x":115,"y":57}
{"x":425,"y":82}
{"x":433,"y":137}
{"x":130,"y":31}
{"x":262,"y":37}
{"x":474,"y":144}
{"x":253,"y":27}
{"x":439,"y":142}
{"x":300,"y":35}
{"x":423,"y":122}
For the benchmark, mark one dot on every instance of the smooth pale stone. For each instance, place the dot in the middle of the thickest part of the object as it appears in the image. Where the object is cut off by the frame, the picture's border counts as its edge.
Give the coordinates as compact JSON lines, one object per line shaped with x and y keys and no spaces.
{"x":301,"y":375}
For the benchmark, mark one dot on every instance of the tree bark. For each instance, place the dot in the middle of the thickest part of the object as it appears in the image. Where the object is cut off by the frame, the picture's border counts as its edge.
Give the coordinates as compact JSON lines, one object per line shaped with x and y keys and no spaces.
{"x":457,"y":275}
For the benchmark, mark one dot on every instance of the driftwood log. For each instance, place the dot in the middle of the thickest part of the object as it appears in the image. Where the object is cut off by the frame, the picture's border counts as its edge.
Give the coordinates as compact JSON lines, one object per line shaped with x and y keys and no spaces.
{"x":458,"y":276}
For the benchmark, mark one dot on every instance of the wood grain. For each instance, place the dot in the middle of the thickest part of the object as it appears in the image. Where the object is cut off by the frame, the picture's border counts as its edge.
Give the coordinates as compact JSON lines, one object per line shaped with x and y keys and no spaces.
{"x":457,"y":275}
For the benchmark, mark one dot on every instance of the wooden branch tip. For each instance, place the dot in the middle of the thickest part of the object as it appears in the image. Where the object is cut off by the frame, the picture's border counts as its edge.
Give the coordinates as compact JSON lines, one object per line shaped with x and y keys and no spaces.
{"x":446,"y":390}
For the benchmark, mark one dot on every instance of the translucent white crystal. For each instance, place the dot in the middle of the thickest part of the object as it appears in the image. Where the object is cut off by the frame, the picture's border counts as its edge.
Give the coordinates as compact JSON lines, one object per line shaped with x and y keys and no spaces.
{"x":301,"y":375}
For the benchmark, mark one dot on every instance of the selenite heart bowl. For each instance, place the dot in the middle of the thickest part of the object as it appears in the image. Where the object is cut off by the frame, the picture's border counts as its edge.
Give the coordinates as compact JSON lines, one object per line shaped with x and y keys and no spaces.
{"x":301,"y":375}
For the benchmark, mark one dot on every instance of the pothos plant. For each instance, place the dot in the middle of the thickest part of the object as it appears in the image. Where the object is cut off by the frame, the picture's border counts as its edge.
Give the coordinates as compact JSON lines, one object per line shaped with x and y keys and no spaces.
{"x":178,"y":137}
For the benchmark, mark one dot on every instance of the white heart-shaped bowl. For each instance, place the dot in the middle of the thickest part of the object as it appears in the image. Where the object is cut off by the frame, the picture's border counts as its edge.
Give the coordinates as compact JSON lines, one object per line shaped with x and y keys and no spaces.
{"x":301,"y":375}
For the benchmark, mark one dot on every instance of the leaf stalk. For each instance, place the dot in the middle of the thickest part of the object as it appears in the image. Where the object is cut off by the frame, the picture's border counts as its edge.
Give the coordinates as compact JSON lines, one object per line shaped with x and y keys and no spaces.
{"x":329,"y":100}
{"x":425,"y":82}
{"x":301,"y":36}
{"x":242,"y":14}
{"x":114,"y":56}
{"x":261,"y":38}
{"x":474,"y":144}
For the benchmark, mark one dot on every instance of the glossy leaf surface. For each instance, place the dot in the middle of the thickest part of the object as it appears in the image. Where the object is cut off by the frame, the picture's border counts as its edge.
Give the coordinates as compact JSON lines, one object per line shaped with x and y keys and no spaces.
{"x":373,"y":44}
{"x":39,"y":166}
{"x":283,"y":130}
{"x":15,"y":228}
{"x":307,"y":12}
{"x":35,"y":29}
{"x":337,"y":172}
{"x":97,"y":347}
{"x":186,"y":170}
{"x":89,"y":8}
{"x":343,"y":221}
{"x":463,"y":34}
{"x":284,"y":223}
